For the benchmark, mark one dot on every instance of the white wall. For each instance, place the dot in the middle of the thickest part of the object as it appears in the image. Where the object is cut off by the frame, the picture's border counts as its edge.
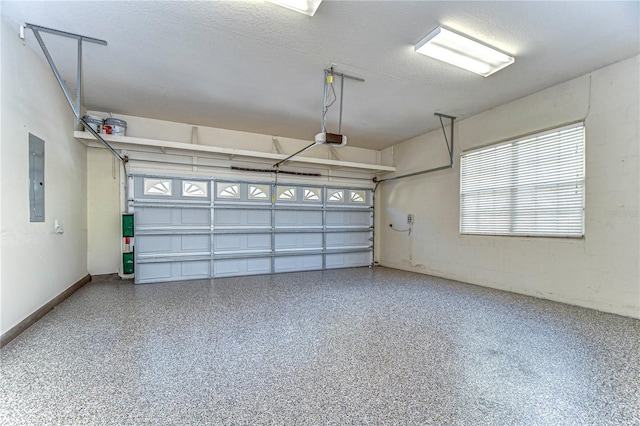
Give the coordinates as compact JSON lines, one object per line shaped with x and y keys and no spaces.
{"x":36,"y":263}
{"x":103,"y":212}
{"x":104,"y":208}
{"x":600,"y":271}
{"x":181,"y":132}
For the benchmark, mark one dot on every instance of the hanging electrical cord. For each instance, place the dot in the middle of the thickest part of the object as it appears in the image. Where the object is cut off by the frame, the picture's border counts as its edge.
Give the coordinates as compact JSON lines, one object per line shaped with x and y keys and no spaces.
{"x":401,"y":230}
{"x":329,"y":84}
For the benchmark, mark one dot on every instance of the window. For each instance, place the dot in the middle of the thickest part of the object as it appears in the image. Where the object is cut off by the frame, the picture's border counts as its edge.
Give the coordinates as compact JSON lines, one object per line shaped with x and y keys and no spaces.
{"x":157,"y":187}
{"x":311,"y":194}
{"x":533,"y":186}
{"x":228,"y":190}
{"x":335,"y":195}
{"x":192,"y":188}
{"x":357,"y":196}
{"x":258,"y":192}
{"x":286,"y":193}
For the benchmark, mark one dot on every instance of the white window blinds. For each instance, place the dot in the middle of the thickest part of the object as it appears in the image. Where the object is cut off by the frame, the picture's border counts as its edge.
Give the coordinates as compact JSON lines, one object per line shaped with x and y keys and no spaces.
{"x":532,"y":186}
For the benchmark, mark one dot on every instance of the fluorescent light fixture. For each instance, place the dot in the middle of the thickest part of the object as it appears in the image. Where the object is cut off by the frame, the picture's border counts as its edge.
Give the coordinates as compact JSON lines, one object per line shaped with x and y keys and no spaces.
{"x":308,"y":7}
{"x":458,"y":50}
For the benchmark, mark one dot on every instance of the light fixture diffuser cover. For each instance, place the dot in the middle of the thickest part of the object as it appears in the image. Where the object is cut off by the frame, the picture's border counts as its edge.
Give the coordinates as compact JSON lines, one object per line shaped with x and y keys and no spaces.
{"x":455,"y":49}
{"x":308,"y":7}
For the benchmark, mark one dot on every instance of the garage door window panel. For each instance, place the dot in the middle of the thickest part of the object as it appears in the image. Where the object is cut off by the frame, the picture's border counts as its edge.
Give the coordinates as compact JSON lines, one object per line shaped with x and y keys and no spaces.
{"x":357,"y":197}
{"x":335,"y":195}
{"x":287,"y":193}
{"x":157,"y":187}
{"x":196,"y":189}
{"x":228,"y":190}
{"x":259,"y":193}
{"x":312,"y":195}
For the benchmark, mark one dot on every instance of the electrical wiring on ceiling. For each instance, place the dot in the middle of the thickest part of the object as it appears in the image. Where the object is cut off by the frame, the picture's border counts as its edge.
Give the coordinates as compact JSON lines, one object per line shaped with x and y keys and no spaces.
{"x":328,"y":103}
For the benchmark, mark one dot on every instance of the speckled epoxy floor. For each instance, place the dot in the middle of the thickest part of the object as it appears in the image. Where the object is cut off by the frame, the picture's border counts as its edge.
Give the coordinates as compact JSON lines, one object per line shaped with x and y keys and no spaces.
{"x":356,"y":346}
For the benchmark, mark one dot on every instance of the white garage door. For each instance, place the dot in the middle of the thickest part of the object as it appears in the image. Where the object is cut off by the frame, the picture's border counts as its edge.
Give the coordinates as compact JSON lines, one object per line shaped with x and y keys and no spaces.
{"x":191,"y":228}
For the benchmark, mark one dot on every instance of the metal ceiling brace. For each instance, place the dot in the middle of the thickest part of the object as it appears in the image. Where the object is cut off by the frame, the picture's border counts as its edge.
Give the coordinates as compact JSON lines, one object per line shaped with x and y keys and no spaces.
{"x":75,"y":104}
{"x":434,"y":169}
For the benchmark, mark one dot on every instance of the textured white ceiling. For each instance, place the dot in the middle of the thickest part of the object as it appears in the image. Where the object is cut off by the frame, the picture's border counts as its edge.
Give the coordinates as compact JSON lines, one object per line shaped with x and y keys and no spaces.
{"x":258,"y":67}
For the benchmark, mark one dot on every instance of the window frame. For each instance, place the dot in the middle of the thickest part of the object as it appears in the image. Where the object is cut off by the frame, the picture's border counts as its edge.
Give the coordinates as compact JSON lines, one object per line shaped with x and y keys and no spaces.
{"x":254,"y":195}
{"x":330,"y":195}
{"x":513,"y":214}
{"x":149,"y":187}
{"x":204,"y":188}
{"x":220,"y":193}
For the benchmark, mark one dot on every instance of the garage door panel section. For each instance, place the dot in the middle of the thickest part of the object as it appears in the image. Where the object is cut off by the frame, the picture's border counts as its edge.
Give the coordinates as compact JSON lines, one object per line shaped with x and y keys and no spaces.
{"x":298,"y":263}
{"x":348,"y":260}
{"x":230,"y":217}
{"x":225,"y":243}
{"x":242,"y":266}
{"x":349,"y":218}
{"x":173,"y":244}
{"x":172,"y":271}
{"x":153,"y":272}
{"x":195,"y":243}
{"x":196,"y":269}
{"x":349,"y":239}
{"x":154,"y":244}
{"x":195,"y":216}
{"x":298,"y":218}
{"x":156,"y":216}
{"x":293,"y":241}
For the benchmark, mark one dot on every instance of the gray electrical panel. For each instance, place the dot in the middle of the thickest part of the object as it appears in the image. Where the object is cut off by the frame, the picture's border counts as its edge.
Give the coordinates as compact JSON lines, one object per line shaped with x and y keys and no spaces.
{"x":36,"y":178}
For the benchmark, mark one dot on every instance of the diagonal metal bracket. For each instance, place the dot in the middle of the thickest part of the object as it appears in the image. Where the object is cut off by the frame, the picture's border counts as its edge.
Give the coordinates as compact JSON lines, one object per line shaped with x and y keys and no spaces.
{"x":434,"y":169}
{"x":449,"y":146}
{"x":75,"y":104}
